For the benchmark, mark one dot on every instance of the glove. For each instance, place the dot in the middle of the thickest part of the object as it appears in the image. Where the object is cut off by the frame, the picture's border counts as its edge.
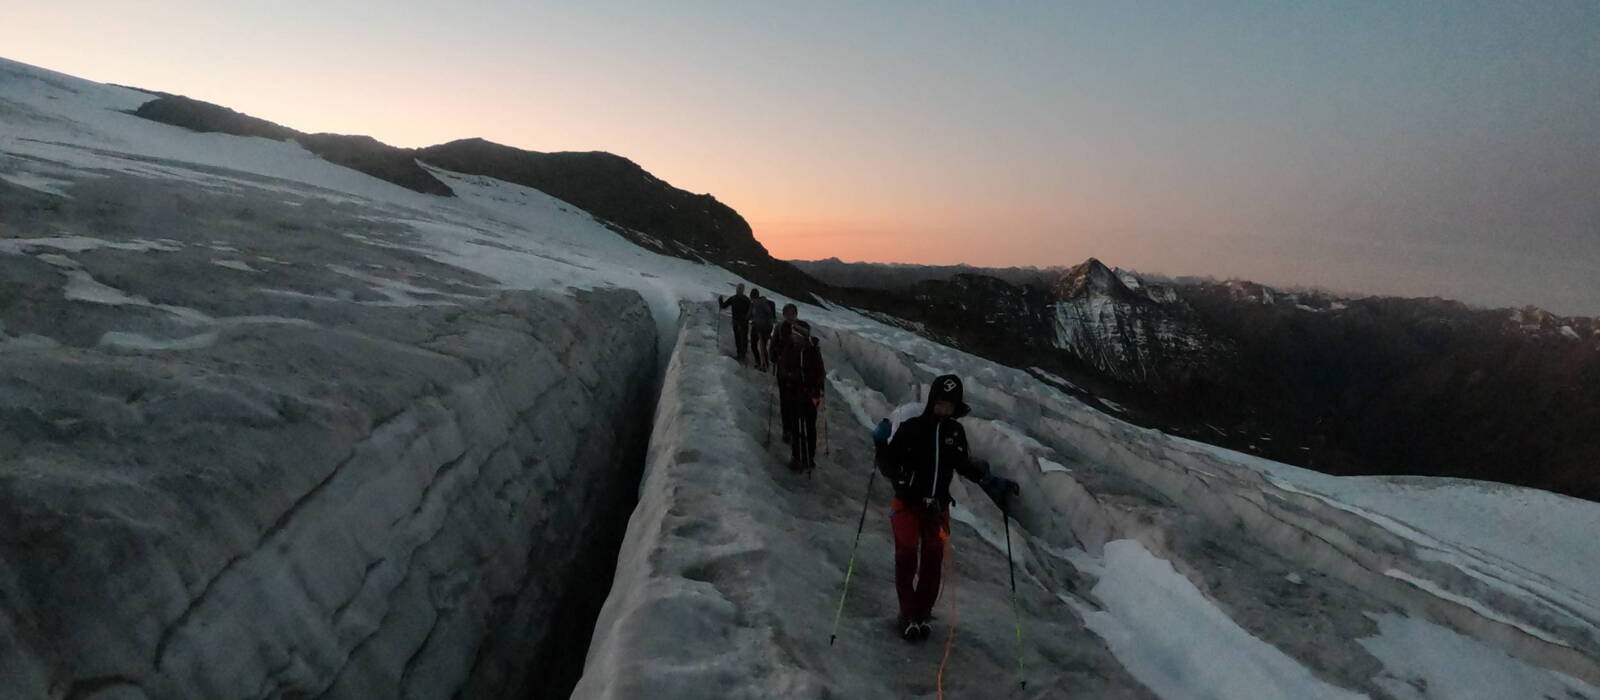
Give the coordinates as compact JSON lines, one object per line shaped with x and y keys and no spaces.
{"x":1001,"y":490}
{"x":983,"y":466}
{"x":880,"y":434}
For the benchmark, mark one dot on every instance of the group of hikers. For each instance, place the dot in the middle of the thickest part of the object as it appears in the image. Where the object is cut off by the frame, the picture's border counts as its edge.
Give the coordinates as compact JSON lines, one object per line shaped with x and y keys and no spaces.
{"x":919,"y":458}
{"x":793,"y":356}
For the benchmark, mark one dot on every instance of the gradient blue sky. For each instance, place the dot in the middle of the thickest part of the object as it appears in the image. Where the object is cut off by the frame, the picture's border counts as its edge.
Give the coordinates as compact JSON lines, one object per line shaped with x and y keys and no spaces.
{"x":1445,"y":148}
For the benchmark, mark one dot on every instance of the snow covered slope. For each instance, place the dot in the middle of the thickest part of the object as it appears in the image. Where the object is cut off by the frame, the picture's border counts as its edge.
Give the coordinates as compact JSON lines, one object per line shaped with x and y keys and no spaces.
{"x":271,"y":427}
{"x":281,"y":450}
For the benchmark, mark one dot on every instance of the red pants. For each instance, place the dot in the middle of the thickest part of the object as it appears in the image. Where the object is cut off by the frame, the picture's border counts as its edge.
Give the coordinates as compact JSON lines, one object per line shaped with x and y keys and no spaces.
{"x":919,"y":537}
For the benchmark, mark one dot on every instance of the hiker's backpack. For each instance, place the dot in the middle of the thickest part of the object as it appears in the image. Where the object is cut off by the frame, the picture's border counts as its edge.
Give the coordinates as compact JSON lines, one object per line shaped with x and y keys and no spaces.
{"x":791,"y":363}
{"x":762,"y":313}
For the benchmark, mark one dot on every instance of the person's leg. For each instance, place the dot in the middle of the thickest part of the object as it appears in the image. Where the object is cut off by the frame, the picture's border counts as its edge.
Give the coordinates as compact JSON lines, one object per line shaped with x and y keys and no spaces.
{"x":932,"y":535}
{"x":808,"y":422}
{"x":797,"y":446}
{"x":786,"y":401}
{"x":907,"y":533}
{"x":758,"y":345}
{"x":741,"y":338}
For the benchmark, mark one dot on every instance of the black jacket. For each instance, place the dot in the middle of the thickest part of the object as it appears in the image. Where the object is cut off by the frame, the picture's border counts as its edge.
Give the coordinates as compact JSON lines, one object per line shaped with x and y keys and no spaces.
{"x":923,"y":455}
{"x":797,"y":363}
{"x":741,"y":307}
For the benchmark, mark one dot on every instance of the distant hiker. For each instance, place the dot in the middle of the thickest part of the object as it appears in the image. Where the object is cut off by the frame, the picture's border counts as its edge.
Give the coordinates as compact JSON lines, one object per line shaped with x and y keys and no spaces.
{"x":919,"y":460}
{"x":741,"y":319}
{"x":780,"y":338}
{"x":762,"y":315}
{"x":801,"y":376}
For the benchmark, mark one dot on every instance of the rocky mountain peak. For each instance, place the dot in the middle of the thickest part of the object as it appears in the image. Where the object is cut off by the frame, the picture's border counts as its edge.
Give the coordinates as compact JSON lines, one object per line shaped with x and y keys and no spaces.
{"x":1245,"y":290}
{"x":1533,"y":316}
{"x":1091,"y":277}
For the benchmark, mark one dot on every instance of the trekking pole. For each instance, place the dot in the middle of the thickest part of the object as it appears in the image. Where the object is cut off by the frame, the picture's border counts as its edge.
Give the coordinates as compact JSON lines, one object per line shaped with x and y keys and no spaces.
{"x":808,"y":447}
{"x":845,"y":589}
{"x":1021,"y":682}
{"x":955,"y":615}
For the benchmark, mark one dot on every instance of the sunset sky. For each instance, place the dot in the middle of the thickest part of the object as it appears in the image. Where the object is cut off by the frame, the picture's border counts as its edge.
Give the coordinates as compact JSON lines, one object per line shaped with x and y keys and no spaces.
{"x":1446,"y":148}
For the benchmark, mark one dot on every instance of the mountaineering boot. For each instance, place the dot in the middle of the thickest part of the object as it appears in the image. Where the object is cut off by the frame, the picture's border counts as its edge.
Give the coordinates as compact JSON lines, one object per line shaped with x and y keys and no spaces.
{"x":924,"y":630}
{"x":909,"y":630}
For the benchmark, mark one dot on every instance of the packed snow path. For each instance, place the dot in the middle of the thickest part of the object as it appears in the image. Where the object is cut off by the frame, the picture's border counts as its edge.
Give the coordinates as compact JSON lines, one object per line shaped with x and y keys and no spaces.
{"x":1129,"y":585}
{"x":730,"y":573}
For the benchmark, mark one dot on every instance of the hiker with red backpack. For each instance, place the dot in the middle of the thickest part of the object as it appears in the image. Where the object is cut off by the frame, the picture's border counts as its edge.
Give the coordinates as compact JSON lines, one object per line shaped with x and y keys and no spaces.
{"x":919,"y":459}
{"x":797,"y":359}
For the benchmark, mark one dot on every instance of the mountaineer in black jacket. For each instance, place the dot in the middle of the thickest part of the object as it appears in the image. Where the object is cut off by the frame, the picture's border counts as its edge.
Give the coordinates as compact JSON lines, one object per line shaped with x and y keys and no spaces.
{"x":920,"y":460}
{"x":801,"y":379}
{"x":741,"y":319}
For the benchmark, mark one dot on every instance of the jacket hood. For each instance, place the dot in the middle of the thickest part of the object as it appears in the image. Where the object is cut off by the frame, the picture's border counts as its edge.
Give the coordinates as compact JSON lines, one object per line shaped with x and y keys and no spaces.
{"x":947,"y":387}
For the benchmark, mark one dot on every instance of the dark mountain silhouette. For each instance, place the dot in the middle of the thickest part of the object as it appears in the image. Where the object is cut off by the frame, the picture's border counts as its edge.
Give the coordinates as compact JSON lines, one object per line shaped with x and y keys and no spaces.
{"x":613,"y":189}
{"x":1374,"y":385}
{"x":838,"y":273}
{"x":638,"y":205}
{"x":610,"y":187}
{"x":1409,"y":386}
{"x":363,"y":153}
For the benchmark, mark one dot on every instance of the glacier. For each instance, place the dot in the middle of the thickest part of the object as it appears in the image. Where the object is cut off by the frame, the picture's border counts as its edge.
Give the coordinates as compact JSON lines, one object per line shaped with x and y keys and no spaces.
{"x":270,"y":427}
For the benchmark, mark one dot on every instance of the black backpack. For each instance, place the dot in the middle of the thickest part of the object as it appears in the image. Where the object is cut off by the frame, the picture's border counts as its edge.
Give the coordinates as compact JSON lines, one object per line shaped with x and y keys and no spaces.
{"x":791,"y":363}
{"x":762,"y":312}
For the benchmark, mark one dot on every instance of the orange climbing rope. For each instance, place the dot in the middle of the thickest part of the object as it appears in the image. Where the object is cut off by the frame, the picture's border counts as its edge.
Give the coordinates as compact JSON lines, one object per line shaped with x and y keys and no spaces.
{"x":950,"y":640}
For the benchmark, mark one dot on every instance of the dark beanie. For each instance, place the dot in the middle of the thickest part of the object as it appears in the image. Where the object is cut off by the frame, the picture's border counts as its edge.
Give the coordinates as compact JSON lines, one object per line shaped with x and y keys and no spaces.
{"x":948,"y":388}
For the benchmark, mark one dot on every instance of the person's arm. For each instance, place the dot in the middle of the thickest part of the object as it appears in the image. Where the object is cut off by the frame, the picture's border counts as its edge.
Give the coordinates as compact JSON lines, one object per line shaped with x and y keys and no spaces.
{"x":1000,"y":489}
{"x":893,"y":456}
{"x":883,"y":455}
{"x":726,"y":301}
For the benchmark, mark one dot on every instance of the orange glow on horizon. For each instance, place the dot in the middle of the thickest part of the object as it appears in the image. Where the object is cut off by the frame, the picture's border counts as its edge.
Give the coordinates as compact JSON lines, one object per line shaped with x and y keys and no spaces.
{"x":857,"y":132}
{"x":814,"y":241}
